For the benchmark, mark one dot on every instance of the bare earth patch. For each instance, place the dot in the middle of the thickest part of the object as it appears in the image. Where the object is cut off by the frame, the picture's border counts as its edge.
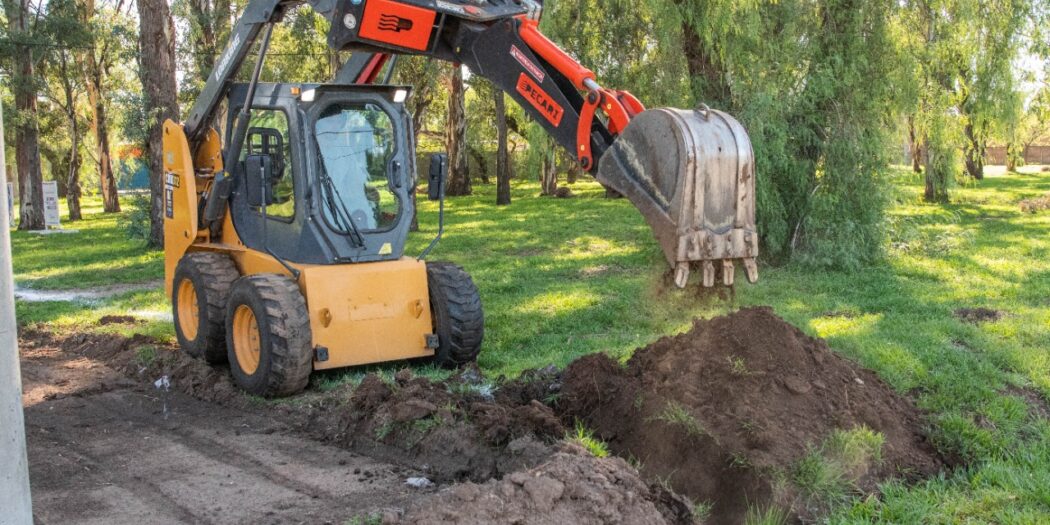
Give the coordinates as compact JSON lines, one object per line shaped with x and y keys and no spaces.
{"x":978,"y":315}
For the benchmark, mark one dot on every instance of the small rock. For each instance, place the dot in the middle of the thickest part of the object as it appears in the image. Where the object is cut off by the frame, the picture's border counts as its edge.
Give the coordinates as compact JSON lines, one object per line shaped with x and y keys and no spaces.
{"x":518,"y":478}
{"x":412,"y":410}
{"x":797,"y":385}
{"x":419,"y":482}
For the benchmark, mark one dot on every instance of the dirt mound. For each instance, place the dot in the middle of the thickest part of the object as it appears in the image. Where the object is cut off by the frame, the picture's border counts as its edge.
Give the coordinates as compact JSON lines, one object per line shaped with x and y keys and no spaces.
{"x":978,"y":315}
{"x":144,"y":358}
{"x":745,"y":410}
{"x":570,"y":487}
{"x":106,"y":320}
{"x":453,"y":428}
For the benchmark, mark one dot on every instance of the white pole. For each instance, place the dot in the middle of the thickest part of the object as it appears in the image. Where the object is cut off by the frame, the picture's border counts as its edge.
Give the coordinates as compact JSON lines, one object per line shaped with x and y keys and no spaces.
{"x":16,"y":506}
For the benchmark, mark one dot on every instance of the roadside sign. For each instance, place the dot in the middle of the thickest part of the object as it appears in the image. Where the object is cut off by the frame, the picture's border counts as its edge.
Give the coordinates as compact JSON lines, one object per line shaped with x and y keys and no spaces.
{"x":51,"y":217}
{"x":10,"y":204}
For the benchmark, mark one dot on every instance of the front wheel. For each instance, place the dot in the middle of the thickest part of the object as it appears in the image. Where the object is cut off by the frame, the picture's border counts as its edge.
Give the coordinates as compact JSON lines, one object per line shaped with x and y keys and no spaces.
{"x":268,"y":336}
{"x":201,"y":288}
{"x":456,"y":309}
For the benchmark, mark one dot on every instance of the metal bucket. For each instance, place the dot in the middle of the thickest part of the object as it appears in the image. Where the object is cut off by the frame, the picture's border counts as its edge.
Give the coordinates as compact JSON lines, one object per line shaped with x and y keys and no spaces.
{"x":691,"y":174}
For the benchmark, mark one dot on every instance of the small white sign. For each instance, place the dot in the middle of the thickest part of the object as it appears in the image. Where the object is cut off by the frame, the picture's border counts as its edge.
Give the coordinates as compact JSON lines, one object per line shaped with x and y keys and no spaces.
{"x":10,"y":205}
{"x":51,"y":215}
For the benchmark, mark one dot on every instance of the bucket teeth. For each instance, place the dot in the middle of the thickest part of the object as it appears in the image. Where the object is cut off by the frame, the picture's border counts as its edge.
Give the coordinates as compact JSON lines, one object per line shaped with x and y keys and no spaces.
{"x":691,"y":175}
{"x":727,"y":272}
{"x":681,"y":274}
{"x":709,"y":274}
{"x":752,"y":269}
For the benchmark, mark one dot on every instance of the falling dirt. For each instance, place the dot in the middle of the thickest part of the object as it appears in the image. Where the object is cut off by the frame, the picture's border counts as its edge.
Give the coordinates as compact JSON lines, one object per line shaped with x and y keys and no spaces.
{"x":978,"y":315}
{"x":724,"y":410}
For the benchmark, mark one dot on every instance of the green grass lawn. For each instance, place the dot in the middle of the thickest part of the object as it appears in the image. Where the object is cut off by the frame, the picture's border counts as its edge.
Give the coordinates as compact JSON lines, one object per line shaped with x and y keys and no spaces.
{"x":562,"y":278}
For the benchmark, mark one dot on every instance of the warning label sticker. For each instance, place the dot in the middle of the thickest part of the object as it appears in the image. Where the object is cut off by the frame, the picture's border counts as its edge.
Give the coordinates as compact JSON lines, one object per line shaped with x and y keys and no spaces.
{"x":529,"y":66}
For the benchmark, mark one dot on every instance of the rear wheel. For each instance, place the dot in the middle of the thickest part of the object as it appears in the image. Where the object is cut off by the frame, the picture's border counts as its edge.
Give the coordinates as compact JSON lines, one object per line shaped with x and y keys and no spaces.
{"x":456,"y":309}
{"x":198,"y":302}
{"x":268,"y":336}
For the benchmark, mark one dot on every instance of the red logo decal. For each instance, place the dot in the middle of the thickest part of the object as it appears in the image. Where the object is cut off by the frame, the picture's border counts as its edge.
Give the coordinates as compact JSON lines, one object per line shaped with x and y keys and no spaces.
{"x":394,"y":23}
{"x":526,"y":63}
{"x":540,"y":100}
{"x":397,"y":24}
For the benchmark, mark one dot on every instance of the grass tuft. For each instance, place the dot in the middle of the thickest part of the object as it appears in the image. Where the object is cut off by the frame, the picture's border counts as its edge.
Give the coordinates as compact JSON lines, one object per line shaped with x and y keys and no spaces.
{"x":584,"y":437}
{"x":675,"y":414}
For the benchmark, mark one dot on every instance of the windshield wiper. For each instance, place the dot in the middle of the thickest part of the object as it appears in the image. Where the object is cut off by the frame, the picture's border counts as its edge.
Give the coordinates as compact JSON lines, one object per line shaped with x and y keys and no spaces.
{"x":337,"y":207}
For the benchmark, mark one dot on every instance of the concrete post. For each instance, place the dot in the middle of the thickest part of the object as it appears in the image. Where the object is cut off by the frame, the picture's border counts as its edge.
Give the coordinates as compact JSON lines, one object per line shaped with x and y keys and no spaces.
{"x":16,"y":507}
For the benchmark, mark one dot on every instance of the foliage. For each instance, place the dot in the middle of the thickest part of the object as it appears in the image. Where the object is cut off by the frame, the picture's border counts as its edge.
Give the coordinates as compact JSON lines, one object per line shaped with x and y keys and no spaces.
{"x":135,"y":223}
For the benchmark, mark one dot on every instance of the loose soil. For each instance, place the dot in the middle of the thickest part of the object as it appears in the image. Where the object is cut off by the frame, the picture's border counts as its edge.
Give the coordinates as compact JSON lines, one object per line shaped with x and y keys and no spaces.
{"x":108,"y":446}
{"x":978,"y":315}
{"x":109,"y":449}
{"x":106,"y":320}
{"x":726,"y":412}
{"x":721,"y":414}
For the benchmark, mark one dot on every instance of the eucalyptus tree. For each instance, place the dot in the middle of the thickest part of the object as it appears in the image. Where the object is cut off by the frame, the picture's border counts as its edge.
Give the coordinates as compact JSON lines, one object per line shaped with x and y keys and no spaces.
{"x":112,"y":34}
{"x":157,"y":72}
{"x":456,"y":132}
{"x":207,"y":26}
{"x":23,"y":53}
{"x":65,"y":89}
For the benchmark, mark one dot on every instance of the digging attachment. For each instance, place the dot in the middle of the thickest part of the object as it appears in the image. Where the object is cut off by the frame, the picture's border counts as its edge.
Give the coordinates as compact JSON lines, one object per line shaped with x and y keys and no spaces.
{"x":692,"y":175}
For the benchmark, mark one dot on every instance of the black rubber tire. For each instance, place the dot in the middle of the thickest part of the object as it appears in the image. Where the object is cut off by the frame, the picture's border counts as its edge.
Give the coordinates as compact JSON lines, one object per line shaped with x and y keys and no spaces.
{"x":286,"y":354}
{"x":212,"y":275}
{"x":455,"y":307}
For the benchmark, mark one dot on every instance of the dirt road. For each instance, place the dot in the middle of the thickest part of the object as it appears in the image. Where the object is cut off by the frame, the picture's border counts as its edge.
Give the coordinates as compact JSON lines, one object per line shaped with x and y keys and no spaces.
{"x":106,"y":449}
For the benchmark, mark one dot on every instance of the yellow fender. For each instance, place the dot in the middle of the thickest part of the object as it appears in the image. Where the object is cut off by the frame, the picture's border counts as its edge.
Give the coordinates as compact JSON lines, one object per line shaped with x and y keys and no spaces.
{"x":180,"y":200}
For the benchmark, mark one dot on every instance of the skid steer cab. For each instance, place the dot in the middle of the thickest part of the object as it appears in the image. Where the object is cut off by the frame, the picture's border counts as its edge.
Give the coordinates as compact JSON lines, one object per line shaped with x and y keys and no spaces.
{"x":288,"y":256}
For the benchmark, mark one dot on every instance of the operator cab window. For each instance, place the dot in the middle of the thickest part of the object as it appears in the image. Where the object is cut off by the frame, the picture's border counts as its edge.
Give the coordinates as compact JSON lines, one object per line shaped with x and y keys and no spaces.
{"x":268,"y":135}
{"x":356,"y":143}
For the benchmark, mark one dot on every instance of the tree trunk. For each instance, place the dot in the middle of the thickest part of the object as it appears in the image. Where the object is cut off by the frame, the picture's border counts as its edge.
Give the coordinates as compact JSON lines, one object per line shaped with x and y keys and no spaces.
{"x":157,"y":71}
{"x":502,"y":153}
{"x":27,"y":132}
{"x":706,"y":75}
{"x":73,"y":190}
{"x":456,"y":137}
{"x":480,"y":161}
{"x":974,"y":153}
{"x":94,"y":76}
{"x":1011,"y":157}
{"x":100,"y":128}
{"x":574,"y":171}
{"x":549,"y":170}
{"x":211,"y":19}
{"x":914,"y":147}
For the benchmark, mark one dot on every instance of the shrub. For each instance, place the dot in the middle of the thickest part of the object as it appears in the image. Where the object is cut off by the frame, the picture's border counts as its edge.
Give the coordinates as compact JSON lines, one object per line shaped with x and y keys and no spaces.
{"x":135,"y":222}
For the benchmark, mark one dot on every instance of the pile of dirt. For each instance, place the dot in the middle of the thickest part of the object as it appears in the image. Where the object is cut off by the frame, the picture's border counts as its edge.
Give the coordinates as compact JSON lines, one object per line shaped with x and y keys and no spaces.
{"x":455,"y":429}
{"x":978,"y":315}
{"x":144,"y":358}
{"x":738,"y":411}
{"x":106,"y":320}
{"x":570,"y":487}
